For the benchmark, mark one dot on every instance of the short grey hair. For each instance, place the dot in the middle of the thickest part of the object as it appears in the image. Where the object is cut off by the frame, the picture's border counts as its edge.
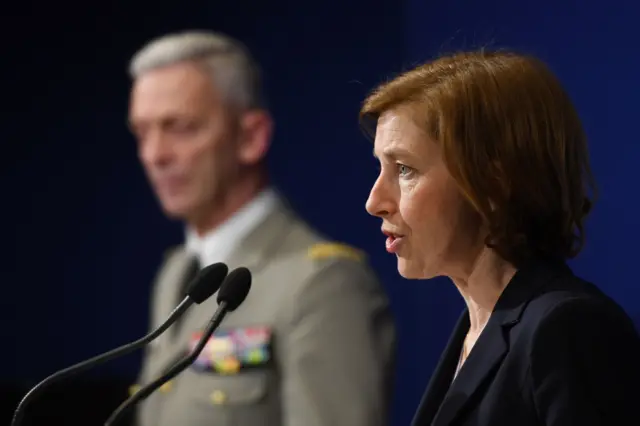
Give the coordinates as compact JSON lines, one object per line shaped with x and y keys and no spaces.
{"x":234,"y":71}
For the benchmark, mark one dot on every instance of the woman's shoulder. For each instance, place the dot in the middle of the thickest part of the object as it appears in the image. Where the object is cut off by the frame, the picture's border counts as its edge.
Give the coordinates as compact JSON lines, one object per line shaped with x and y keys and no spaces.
{"x":549,"y":300}
{"x":571,"y":299}
{"x":576,"y":310}
{"x":581,"y":351}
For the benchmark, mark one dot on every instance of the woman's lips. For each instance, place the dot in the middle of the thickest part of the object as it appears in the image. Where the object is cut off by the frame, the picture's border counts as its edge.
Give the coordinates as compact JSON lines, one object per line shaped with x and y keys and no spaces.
{"x":393,"y":241}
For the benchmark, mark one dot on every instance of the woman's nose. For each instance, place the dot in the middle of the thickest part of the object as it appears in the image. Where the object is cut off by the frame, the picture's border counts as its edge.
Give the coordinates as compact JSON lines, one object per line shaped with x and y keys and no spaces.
{"x":380,"y":203}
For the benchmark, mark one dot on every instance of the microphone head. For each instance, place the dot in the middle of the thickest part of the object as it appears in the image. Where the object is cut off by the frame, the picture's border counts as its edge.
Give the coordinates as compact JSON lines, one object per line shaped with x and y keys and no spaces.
{"x":235,"y":288}
{"x":207,"y":282}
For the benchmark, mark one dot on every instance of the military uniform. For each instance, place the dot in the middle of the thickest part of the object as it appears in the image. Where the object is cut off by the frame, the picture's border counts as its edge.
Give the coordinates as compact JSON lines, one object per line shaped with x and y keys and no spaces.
{"x":312,"y":345}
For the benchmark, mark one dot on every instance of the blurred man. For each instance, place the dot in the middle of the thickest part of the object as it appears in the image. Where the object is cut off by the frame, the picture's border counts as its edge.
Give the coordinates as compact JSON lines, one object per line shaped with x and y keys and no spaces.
{"x":316,"y":315}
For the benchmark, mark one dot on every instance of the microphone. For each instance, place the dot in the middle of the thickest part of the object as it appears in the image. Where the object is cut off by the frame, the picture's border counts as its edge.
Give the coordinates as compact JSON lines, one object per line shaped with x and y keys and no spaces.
{"x":234,"y":290}
{"x":205,"y":284}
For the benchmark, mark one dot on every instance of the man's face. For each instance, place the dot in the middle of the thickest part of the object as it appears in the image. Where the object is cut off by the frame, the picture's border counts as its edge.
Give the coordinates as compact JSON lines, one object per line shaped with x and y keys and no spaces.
{"x":187,"y":138}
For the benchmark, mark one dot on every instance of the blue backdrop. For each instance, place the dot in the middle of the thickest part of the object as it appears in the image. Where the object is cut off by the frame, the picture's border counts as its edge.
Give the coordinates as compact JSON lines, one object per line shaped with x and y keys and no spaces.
{"x":85,"y":234}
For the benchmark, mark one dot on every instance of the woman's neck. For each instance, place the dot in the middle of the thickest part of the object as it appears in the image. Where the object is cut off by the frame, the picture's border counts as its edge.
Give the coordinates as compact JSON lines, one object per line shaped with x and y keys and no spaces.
{"x":481,"y":285}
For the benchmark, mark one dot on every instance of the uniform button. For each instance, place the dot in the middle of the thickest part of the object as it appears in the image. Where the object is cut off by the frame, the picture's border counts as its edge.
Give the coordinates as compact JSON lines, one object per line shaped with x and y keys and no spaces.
{"x":218,"y":397}
{"x":133,"y":389}
{"x":166,"y":387}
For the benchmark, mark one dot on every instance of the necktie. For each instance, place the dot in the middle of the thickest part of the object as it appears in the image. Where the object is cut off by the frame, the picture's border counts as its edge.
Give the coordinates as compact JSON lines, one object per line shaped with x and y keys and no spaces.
{"x":191,"y":272}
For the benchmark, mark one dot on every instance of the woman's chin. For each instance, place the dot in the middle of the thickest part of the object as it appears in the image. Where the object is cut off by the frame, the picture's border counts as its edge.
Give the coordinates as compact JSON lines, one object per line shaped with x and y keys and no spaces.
{"x":411,"y":270}
{"x":415,"y":270}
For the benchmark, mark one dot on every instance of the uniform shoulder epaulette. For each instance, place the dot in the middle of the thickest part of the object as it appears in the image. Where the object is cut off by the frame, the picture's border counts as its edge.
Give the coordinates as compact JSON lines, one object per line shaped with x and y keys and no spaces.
{"x":329,"y":250}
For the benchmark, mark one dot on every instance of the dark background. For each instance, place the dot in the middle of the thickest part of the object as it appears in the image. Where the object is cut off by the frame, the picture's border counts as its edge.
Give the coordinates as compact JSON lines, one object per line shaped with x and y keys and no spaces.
{"x":84,"y":235}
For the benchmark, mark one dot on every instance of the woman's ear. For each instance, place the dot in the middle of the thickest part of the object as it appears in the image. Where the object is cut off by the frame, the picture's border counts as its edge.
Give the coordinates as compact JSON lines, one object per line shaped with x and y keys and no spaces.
{"x":256,"y":131}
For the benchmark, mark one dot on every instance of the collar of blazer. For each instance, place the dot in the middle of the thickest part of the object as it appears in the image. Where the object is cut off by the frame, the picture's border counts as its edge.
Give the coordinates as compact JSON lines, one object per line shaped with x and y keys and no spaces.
{"x":443,"y":400}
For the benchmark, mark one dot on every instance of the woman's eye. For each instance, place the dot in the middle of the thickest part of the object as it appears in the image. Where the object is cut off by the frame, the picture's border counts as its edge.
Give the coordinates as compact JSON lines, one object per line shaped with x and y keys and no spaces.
{"x":403,"y":170}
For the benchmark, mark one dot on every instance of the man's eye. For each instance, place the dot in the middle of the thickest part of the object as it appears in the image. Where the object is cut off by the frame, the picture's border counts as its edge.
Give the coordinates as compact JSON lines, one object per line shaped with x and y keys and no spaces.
{"x":181,"y":127}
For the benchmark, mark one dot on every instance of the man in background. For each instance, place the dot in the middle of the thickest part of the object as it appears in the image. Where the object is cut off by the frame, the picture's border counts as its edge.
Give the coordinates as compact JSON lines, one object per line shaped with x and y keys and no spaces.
{"x":316,"y":313}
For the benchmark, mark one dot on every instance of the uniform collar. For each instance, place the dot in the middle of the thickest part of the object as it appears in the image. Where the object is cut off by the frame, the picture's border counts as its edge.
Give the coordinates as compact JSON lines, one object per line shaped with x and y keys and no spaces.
{"x":218,"y":244}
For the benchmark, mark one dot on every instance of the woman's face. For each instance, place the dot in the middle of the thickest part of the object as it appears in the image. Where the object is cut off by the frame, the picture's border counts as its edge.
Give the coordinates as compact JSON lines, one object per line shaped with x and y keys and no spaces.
{"x":431,"y":228}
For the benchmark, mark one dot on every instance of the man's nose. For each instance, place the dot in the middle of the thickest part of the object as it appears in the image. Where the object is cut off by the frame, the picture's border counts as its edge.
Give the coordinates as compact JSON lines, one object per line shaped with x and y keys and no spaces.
{"x":154,"y":149}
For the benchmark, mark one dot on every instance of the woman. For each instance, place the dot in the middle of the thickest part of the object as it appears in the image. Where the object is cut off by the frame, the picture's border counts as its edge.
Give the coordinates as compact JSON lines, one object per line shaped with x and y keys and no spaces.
{"x":485,"y":179}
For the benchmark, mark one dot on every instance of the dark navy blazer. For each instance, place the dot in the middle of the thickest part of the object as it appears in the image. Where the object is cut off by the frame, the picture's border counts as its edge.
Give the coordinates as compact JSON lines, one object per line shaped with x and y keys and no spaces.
{"x":555,"y":352}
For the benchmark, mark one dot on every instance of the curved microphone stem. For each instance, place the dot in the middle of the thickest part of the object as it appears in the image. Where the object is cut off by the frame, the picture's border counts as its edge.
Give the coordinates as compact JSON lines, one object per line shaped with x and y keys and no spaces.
{"x":84,"y":365}
{"x":177,"y":368}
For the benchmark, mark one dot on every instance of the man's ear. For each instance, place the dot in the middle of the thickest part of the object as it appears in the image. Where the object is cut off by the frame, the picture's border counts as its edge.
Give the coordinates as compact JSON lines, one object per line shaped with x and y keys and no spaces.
{"x":256,"y":131}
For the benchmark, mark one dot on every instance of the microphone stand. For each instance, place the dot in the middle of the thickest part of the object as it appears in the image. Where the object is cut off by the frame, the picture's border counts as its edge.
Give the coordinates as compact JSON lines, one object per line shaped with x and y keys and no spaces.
{"x":84,"y":365}
{"x":177,"y":368}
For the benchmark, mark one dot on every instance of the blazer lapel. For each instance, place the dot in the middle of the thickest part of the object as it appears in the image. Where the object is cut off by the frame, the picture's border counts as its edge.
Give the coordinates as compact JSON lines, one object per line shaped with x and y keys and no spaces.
{"x":254,"y":253}
{"x":443,"y":374}
{"x":477,"y":369}
{"x":255,"y":250}
{"x":177,"y":268}
{"x":488,"y":352}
